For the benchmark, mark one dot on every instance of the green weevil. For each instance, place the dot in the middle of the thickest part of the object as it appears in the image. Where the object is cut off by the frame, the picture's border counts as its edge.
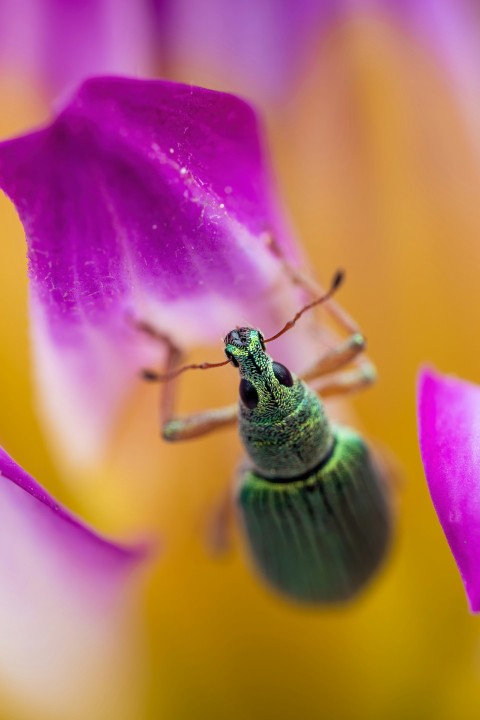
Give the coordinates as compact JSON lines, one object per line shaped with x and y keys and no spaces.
{"x":312,"y":501}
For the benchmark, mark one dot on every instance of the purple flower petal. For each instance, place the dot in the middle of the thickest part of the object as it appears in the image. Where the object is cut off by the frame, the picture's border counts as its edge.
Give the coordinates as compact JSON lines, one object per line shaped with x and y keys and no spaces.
{"x":450,"y":29}
{"x":142,"y":199}
{"x":449,"y":427}
{"x":58,"y":43}
{"x":259,"y":49}
{"x":255,"y":48}
{"x":62,"y":590}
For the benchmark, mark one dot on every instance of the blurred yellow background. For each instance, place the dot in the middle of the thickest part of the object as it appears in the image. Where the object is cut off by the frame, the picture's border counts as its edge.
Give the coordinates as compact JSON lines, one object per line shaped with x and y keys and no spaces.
{"x":381,"y":177}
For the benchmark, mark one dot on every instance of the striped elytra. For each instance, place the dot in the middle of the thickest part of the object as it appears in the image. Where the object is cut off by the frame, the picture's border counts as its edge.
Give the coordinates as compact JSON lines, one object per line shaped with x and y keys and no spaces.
{"x":319,"y":539}
{"x":312,"y":501}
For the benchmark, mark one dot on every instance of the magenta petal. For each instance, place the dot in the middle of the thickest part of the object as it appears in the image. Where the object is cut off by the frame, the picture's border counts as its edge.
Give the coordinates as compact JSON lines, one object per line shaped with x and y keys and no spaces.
{"x":449,"y":427}
{"x":102,"y":561}
{"x":141,"y":185}
{"x":450,"y":29}
{"x":256,"y":48}
{"x":142,"y":199}
{"x":61,"y":588}
{"x":58,"y":43}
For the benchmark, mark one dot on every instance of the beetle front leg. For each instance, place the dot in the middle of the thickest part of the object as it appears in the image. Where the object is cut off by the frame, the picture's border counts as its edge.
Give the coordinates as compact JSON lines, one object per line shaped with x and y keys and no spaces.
{"x":190,"y":426}
{"x":174,"y":355}
{"x":351,"y":348}
{"x":336,"y":357}
{"x":313,"y":288}
{"x":193,"y":426}
{"x":346,"y":382}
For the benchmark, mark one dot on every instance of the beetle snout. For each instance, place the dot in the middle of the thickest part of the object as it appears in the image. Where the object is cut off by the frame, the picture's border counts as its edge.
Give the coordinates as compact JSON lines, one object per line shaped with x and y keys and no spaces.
{"x":240,"y":337}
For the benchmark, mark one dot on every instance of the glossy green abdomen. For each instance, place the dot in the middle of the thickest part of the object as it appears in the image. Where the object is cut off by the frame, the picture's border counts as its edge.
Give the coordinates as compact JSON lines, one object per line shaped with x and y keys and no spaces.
{"x":320,"y":538}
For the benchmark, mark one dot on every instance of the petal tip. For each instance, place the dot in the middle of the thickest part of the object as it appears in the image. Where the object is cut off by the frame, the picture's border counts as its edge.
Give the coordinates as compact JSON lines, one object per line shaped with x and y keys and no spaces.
{"x":473,"y":602}
{"x":449,"y":434}
{"x":427,"y":376}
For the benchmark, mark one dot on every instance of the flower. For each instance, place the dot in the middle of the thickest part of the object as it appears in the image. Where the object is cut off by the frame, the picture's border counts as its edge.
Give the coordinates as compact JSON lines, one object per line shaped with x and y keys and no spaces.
{"x":259,"y":50}
{"x":449,"y":430}
{"x":54,"y":44}
{"x":66,"y":601}
{"x":142,"y":201}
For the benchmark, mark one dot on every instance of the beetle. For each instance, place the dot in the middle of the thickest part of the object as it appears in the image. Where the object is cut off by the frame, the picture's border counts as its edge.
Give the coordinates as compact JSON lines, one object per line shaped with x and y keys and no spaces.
{"x":312,"y":500}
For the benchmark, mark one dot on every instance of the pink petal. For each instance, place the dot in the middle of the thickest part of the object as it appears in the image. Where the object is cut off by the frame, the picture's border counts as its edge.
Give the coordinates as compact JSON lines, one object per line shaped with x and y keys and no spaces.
{"x":147,"y":200}
{"x":449,"y":30}
{"x":449,"y":428}
{"x":64,"y":591}
{"x":57,"y":43}
{"x":256,"y":48}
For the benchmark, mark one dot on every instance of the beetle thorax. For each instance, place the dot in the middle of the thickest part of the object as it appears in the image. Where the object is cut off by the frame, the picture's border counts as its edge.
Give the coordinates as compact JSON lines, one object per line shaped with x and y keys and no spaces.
{"x":288,"y":439}
{"x":282,"y":422}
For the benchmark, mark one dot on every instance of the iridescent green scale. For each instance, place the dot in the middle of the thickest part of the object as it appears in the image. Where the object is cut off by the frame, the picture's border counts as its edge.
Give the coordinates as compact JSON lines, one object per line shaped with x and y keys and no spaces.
{"x":313,"y":504}
{"x":319,"y":538}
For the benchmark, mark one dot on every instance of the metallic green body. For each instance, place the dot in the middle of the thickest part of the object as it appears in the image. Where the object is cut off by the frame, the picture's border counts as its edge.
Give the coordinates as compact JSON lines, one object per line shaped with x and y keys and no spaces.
{"x":319,"y":539}
{"x":313,"y":504}
{"x":288,"y":436}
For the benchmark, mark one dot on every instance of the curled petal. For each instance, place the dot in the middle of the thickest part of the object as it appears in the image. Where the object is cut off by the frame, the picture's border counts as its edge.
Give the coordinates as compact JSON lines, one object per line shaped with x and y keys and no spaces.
{"x":63,"y":589}
{"x":449,"y":428}
{"x":142,"y":200}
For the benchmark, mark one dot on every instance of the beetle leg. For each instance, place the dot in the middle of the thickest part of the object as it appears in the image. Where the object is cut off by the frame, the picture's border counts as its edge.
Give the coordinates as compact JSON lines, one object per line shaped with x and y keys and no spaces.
{"x":174,"y":354}
{"x":346,"y":381}
{"x":336,"y":357}
{"x":313,"y":288}
{"x":189,"y":426}
{"x":219,"y":525}
{"x":350,"y":349}
{"x":155,"y":333}
{"x":193,"y":426}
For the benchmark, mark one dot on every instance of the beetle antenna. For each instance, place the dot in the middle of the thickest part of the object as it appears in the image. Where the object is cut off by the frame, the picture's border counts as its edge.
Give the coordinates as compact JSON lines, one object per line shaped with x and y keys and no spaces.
{"x":152,"y":376}
{"x":335,"y":284}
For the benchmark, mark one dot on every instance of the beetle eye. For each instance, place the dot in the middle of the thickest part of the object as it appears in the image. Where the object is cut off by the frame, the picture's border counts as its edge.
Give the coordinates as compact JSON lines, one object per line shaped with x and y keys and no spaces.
{"x":248,"y":394}
{"x":283,"y":374}
{"x":230,"y":357}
